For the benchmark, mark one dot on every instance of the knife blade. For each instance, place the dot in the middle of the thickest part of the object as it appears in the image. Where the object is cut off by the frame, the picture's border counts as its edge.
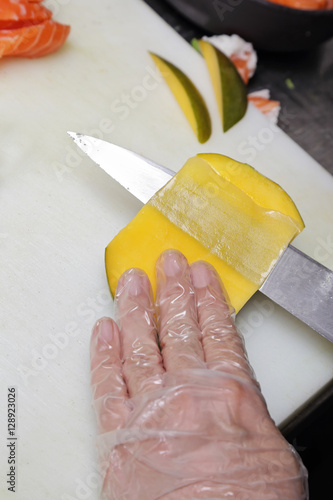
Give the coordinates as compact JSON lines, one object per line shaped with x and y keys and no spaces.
{"x":140,"y":176}
{"x":297,"y":283}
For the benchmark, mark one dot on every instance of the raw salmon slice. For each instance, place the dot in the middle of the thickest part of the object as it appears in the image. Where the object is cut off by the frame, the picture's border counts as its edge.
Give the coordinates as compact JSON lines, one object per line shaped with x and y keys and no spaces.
{"x":265,"y":105}
{"x":242,"y":68}
{"x":33,"y":41}
{"x":304,"y":4}
{"x":261,"y":99}
{"x":19,"y":13}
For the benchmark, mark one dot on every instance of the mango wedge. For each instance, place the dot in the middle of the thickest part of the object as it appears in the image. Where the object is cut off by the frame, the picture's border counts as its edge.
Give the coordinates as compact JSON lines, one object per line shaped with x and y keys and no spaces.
{"x":188,"y":97}
{"x":214,"y":209}
{"x":229,"y":88}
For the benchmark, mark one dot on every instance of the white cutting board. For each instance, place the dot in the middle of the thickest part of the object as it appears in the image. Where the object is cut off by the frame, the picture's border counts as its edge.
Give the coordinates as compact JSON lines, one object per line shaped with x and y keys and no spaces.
{"x":59,"y":211}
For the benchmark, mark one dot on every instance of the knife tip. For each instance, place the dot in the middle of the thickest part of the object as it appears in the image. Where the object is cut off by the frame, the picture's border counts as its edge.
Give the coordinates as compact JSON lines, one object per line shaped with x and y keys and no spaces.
{"x":73,"y":135}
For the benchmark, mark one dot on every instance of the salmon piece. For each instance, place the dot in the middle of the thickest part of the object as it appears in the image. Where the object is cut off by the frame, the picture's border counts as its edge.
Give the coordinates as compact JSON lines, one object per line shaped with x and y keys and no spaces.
{"x":33,"y":41}
{"x":265,"y":105}
{"x":304,"y":4}
{"x":19,"y":13}
{"x":261,"y":99}
{"x":242,"y":68}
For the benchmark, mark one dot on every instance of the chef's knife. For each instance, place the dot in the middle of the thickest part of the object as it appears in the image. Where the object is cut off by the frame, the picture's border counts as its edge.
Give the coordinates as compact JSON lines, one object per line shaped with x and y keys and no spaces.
{"x":298,"y":283}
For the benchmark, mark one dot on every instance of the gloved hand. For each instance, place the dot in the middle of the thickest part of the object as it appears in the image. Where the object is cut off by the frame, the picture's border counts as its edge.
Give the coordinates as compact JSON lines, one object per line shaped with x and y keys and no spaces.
{"x":180,"y":414}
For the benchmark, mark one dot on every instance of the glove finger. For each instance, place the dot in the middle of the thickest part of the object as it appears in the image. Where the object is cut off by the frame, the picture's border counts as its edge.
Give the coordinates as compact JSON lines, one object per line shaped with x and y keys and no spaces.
{"x":108,"y":385}
{"x":142,"y":360}
{"x":223,"y":345}
{"x":179,"y":333}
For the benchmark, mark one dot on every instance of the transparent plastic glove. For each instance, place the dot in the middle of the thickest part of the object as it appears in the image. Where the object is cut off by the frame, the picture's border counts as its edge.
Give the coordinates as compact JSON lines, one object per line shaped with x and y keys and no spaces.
{"x":182,"y":417}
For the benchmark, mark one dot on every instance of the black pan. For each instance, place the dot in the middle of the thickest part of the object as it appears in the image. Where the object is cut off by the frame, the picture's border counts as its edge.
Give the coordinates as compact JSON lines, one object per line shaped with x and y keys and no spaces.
{"x":267,"y":25}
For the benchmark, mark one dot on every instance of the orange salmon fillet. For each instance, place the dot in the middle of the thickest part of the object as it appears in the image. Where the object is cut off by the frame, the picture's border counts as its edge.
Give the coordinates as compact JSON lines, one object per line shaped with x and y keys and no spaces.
{"x":242,"y":68}
{"x":305,"y":4}
{"x":265,"y":105}
{"x":33,"y":41}
{"x":19,"y":13}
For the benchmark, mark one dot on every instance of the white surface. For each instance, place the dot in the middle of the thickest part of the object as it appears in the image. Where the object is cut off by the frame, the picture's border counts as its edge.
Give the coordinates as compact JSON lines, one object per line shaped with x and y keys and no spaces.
{"x":59,"y":211}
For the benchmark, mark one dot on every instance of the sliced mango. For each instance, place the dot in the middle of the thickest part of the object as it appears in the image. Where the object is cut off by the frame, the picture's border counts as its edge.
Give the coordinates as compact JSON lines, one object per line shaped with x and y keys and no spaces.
{"x":229,"y":88}
{"x":214,"y":209}
{"x":188,"y":97}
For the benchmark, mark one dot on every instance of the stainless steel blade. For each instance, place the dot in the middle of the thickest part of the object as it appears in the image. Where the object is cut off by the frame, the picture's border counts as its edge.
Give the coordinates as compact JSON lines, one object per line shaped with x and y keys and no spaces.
{"x":140,"y":176}
{"x":303,"y":287}
{"x":298,"y":283}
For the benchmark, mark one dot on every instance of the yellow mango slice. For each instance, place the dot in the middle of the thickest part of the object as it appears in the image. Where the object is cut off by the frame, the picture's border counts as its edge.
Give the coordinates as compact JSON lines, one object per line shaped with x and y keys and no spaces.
{"x":188,"y":97}
{"x":214,"y":209}
{"x":229,"y":88}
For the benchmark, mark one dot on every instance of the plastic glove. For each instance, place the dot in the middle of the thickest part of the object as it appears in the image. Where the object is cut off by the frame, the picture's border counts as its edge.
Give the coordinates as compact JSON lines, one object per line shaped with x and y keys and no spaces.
{"x":180,"y":413}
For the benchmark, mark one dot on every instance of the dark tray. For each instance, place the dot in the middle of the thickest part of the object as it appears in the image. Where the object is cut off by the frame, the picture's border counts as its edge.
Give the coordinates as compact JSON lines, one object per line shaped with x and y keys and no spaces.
{"x":267,"y":25}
